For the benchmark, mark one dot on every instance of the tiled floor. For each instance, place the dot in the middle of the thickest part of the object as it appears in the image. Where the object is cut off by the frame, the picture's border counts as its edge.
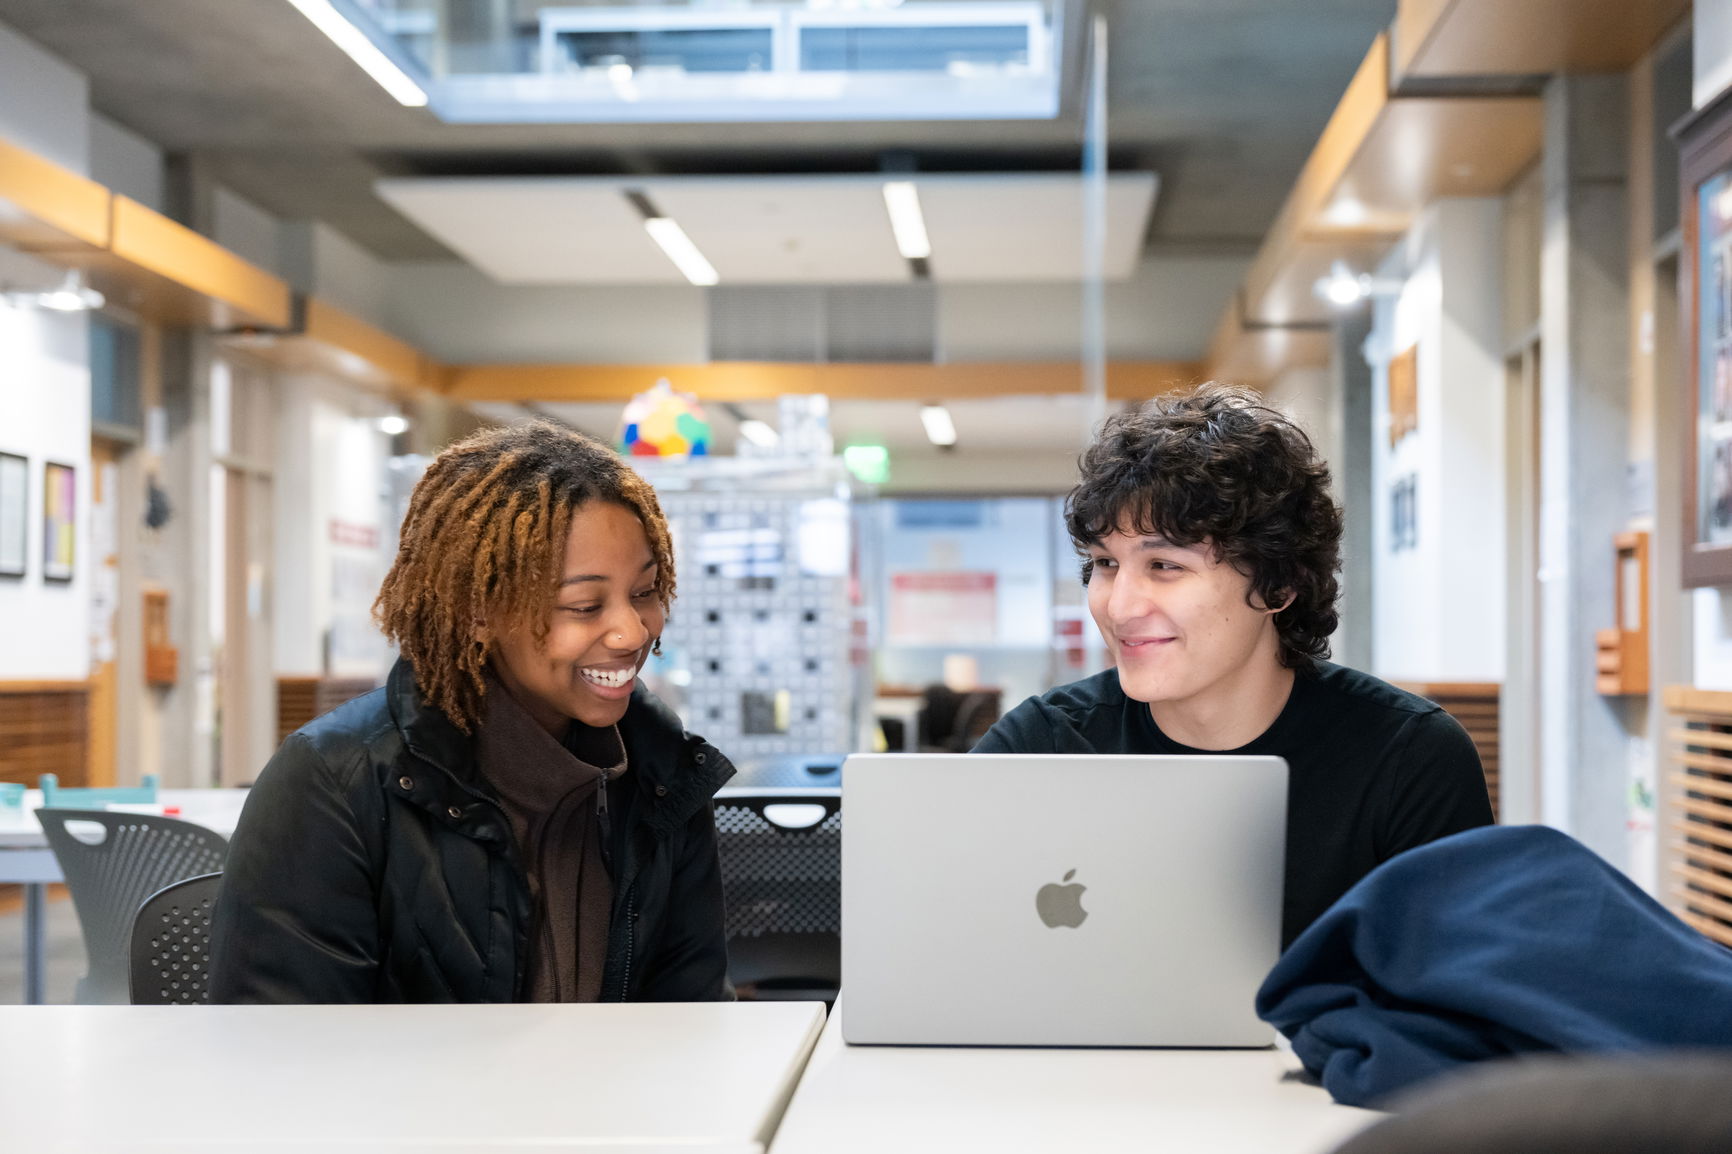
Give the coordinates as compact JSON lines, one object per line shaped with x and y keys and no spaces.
{"x":65,"y":954}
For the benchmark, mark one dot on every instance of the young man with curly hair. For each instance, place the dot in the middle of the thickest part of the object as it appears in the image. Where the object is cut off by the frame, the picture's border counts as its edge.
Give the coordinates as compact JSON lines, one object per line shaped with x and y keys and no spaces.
{"x":512,"y":818}
{"x":1210,"y":545}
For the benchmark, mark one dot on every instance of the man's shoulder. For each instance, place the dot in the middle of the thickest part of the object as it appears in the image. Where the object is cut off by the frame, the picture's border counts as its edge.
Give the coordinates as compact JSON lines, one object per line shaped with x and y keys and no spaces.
{"x":1085,"y":716}
{"x":1351,"y":690}
{"x":1077,"y":700}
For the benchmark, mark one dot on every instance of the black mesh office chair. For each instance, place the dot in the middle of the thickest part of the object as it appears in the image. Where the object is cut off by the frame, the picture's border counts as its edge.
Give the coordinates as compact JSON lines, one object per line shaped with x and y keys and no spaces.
{"x":782,"y":877}
{"x":112,"y":862}
{"x":170,"y":953}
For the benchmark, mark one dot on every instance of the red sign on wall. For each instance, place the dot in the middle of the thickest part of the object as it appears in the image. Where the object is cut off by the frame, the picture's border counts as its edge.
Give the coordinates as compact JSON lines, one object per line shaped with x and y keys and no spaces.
{"x":947,"y":608}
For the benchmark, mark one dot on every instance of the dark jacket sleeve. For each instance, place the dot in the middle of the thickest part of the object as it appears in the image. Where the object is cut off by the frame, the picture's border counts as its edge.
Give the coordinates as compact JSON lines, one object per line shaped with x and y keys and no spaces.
{"x":1025,"y":729}
{"x":296,"y":919}
{"x":1438,"y":787}
{"x":692,"y":965}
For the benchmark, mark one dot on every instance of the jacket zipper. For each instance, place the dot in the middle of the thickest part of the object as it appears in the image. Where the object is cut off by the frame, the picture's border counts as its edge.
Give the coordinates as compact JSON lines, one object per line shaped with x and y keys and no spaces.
{"x":630,"y":942}
{"x":603,"y":823}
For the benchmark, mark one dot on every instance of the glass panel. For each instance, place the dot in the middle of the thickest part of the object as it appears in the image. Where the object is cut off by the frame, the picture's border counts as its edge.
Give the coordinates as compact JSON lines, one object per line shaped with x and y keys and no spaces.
{"x":1714,"y":406}
{"x":928,"y":49}
{"x":114,"y":354}
{"x":493,"y":61}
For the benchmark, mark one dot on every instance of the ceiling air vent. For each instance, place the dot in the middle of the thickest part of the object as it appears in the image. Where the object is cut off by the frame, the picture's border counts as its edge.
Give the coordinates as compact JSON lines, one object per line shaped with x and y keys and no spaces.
{"x":853,"y":324}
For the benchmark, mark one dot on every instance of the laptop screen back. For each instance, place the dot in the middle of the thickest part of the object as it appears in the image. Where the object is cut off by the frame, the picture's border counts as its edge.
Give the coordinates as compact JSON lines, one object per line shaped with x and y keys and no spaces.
{"x":1057,"y":900}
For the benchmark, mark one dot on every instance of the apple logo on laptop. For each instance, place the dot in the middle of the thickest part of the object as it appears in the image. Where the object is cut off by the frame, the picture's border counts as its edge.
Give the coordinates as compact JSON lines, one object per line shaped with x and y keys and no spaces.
{"x":1061,"y":905}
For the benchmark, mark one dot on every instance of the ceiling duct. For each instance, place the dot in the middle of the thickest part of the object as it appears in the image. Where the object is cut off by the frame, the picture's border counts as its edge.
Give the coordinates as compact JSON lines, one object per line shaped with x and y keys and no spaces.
{"x":840,"y":325}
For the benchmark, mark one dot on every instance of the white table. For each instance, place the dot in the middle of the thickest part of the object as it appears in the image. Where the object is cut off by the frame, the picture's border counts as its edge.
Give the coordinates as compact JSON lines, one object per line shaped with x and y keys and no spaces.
{"x":453,"y":1079}
{"x":914,"y":1099}
{"x":26,"y":860}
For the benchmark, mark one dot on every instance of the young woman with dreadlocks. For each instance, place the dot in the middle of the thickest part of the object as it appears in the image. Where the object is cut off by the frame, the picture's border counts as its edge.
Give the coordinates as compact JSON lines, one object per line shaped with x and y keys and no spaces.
{"x":512,"y":817}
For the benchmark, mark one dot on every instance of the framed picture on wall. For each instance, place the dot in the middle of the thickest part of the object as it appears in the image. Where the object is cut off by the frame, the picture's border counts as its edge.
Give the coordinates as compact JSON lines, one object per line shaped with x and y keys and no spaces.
{"x":1705,"y":151}
{"x":59,"y":521}
{"x":14,"y":513}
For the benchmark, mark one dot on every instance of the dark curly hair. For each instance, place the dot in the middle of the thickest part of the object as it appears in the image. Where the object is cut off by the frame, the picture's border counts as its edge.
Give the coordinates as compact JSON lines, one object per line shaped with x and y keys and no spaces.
{"x":484,"y":539}
{"x":1216,"y":464}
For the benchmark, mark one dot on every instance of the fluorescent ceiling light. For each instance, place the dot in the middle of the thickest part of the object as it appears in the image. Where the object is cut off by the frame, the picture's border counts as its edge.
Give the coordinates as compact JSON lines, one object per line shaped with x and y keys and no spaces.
{"x":903,"y":202}
{"x":73,"y":296}
{"x":940,"y":429}
{"x":362,"y":51}
{"x":665,"y":231}
{"x":759,"y":433}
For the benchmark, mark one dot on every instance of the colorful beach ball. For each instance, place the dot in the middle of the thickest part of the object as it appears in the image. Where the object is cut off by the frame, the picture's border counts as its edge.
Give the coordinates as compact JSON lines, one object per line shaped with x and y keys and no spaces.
{"x":663,"y":423}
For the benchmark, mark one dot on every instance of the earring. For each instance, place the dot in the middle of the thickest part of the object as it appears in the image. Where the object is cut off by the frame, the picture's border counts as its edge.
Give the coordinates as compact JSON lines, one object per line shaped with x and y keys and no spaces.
{"x":656,"y":648}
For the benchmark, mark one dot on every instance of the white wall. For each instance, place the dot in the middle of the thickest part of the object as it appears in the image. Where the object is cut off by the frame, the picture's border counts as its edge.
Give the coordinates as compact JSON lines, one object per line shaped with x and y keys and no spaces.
{"x":45,"y":416}
{"x":455,"y":314}
{"x":331,"y":469}
{"x":126,"y":163}
{"x":43,"y":104}
{"x":1165,"y":311}
{"x":244,"y":229}
{"x":1711,"y":639}
{"x":1711,"y":44}
{"x":349,"y":276}
{"x":1439,"y":607}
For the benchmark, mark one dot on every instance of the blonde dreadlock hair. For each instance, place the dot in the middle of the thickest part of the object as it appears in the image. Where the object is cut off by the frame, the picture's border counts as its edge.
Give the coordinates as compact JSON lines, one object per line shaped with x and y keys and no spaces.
{"x":484,"y":541}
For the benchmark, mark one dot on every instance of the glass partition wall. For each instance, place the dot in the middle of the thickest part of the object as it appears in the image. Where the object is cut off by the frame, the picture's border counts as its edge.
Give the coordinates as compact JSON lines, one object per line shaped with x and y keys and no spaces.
{"x":722,"y":60}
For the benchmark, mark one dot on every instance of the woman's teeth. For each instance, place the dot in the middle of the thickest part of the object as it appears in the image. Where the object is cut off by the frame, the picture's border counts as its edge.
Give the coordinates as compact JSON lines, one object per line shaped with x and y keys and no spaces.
{"x":612,"y":678}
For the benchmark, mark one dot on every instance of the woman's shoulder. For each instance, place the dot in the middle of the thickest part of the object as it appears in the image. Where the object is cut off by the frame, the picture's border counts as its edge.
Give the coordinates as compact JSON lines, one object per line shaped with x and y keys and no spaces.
{"x":342,"y":742}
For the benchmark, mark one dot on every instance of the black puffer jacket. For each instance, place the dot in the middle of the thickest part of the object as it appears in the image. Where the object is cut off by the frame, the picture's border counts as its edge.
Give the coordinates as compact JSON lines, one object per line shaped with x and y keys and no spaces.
{"x":372,"y":863}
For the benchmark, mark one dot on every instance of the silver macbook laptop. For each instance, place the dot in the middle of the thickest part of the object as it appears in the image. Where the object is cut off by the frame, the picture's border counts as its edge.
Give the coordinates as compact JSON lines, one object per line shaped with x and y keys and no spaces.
{"x":1043,"y":900}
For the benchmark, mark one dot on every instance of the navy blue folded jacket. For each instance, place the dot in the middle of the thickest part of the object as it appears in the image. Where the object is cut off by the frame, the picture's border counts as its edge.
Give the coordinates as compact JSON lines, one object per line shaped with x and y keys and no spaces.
{"x":1502,"y":940}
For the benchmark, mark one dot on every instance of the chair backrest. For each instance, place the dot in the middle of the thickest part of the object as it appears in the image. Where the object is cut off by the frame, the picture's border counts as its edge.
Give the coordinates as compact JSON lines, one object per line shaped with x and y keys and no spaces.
{"x":975,"y":714}
{"x":90,"y":797}
{"x":112,"y":862}
{"x":781,"y":857}
{"x":171,"y":944}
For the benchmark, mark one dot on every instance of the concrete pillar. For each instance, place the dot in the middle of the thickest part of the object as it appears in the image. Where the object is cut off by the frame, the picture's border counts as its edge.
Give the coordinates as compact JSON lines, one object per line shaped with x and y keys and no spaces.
{"x":1584,"y":395}
{"x":1352,"y":372}
{"x":182,"y":557}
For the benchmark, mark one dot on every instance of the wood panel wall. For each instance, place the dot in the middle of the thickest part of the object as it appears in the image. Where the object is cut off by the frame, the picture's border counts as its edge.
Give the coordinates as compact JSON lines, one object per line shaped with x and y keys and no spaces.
{"x":1475,"y":705}
{"x":45,"y":728}
{"x":300,"y":699}
{"x":1696,"y":858}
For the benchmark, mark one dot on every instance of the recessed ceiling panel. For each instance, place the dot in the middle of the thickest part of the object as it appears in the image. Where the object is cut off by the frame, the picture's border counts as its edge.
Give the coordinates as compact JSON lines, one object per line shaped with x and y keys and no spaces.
{"x":536,"y":230}
{"x":1020,"y":228}
{"x":775,"y":230}
{"x":786,"y":231}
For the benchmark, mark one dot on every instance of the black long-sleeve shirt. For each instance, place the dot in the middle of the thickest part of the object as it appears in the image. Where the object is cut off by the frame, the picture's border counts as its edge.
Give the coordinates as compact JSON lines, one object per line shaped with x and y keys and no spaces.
{"x":1373,"y":770}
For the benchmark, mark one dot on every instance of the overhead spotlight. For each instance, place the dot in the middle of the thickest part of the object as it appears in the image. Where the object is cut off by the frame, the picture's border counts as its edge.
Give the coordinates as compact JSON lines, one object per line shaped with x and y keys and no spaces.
{"x":361,"y":49}
{"x":940,"y":429}
{"x":1343,"y":287}
{"x":72,"y":296}
{"x":393,"y":424}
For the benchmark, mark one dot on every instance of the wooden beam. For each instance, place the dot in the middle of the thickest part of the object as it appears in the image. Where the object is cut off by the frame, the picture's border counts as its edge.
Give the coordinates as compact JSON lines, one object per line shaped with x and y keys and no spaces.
{"x":1456,"y":38}
{"x":389,"y":360}
{"x":168,"y":257}
{"x":46,"y":208}
{"x":752,"y":381}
